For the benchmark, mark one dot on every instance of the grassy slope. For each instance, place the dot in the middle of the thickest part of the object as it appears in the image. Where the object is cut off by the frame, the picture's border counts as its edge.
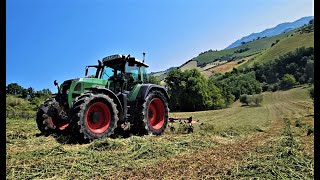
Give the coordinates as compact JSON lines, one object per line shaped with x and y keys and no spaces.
{"x":284,"y":46}
{"x":255,"y":47}
{"x":189,"y":65}
{"x":229,"y":135}
{"x":227,"y":67}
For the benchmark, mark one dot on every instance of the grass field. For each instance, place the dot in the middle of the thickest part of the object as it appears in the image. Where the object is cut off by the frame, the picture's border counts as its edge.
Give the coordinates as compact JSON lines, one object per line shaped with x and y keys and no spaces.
{"x":274,"y":141}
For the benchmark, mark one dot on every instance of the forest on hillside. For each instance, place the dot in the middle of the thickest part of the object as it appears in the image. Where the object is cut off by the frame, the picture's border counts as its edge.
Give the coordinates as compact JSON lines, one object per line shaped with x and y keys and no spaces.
{"x":191,"y":91}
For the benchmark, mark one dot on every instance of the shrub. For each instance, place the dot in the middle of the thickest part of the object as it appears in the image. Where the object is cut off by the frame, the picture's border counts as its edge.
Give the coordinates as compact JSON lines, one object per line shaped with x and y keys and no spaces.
{"x":310,"y":130}
{"x":265,"y":87}
{"x":311,"y":93}
{"x":251,"y":100}
{"x":288,"y":81}
{"x":257,"y":100}
{"x":275,"y":87}
{"x":14,"y":101}
{"x":244,"y":99}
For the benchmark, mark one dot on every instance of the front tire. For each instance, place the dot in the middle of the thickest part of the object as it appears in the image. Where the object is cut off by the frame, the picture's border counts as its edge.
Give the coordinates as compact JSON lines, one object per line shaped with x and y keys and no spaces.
{"x":47,"y":119}
{"x":95,"y":117}
{"x":43,"y":120}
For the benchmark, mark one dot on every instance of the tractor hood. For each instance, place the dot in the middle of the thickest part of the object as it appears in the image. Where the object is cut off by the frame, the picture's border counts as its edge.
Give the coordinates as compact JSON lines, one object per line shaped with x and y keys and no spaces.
{"x":65,"y":86}
{"x":75,"y":87}
{"x":79,"y":84}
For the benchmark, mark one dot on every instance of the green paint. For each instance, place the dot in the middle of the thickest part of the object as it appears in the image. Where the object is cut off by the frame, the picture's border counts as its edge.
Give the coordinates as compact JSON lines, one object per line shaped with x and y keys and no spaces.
{"x":134,"y":93}
{"x":85,"y":83}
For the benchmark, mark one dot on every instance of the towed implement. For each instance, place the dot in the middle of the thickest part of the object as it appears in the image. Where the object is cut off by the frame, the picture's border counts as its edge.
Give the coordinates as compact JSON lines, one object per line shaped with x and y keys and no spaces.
{"x":117,"y":98}
{"x":185,"y":123}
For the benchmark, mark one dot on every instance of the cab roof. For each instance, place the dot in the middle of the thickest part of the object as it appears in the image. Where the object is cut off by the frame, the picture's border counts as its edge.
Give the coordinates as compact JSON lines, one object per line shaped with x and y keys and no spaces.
{"x":121,"y":58}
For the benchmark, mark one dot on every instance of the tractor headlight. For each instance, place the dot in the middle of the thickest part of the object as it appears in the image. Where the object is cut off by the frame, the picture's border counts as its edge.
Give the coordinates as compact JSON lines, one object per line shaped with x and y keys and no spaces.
{"x":78,"y":87}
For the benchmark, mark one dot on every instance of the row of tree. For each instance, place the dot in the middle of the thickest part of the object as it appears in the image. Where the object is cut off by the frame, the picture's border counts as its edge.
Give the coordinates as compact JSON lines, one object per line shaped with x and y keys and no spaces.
{"x":27,"y":93}
{"x":191,"y":91}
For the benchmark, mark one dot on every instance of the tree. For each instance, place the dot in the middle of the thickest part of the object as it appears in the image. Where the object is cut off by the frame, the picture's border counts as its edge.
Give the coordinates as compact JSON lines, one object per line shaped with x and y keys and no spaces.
{"x":14,"y":89}
{"x":44,"y":93}
{"x":189,"y":91}
{"x":174,"y":81}
{"x":195,"y":96}
{"x":310,"y":70}
{"x":288,"y":81}
{"x":31,"y":92}
{"x":239,"y":84}
{"x":154,"y":80}
{"x":215,"y":94}
{"x":24,"y":93}
{"x":244,"y":99}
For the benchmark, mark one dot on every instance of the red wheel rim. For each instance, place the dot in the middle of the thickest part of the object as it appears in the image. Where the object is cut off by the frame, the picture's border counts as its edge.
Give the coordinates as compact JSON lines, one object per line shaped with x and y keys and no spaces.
{"x":156,"y":113}
{"x":98,"y":117}
{"x":58,"y":124}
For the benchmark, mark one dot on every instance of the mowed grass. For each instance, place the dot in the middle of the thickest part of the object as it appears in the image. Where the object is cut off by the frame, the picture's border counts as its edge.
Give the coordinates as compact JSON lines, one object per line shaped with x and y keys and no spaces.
{"x":148,"y":157}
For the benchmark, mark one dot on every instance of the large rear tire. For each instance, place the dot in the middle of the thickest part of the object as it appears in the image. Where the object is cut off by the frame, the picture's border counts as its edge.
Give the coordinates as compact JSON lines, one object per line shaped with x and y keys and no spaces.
{"x":95,"y":116}
{"x":153,"y":116}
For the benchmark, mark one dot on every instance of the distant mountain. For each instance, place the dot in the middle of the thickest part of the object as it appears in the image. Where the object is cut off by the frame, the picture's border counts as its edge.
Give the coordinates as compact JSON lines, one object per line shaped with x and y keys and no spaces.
{"x":280,"y":28}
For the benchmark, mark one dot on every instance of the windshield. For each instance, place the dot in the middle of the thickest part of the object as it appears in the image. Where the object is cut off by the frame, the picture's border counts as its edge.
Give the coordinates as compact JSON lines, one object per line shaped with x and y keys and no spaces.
{"x":107,"y":73}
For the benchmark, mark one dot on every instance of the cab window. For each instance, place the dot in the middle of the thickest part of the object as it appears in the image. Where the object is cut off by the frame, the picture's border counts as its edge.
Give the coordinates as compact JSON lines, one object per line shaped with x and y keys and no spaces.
{"x":132,"y":72}
{"x":144,"y":74}
{"x":107,"y":73}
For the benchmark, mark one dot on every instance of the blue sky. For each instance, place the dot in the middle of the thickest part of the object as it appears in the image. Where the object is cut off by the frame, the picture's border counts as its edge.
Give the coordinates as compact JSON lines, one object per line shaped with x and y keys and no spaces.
{"x":56,"y":39}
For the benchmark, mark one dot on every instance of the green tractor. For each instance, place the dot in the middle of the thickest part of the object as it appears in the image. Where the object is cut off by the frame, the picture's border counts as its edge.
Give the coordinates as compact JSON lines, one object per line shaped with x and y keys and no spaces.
{"x":118,"y":98}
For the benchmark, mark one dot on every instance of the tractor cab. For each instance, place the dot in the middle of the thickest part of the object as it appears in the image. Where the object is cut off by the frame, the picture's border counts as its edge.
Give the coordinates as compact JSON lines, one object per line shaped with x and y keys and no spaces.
{"x":122,"y":72}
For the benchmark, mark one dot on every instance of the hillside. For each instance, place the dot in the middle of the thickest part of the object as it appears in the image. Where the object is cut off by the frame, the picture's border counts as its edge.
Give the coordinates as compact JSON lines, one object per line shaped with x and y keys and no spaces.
{"x":280,"y":28}
{"x":260,"y":50}
{"x":202,"y":62}
{"x":229,"y":143}
{"x":285,"y":46}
